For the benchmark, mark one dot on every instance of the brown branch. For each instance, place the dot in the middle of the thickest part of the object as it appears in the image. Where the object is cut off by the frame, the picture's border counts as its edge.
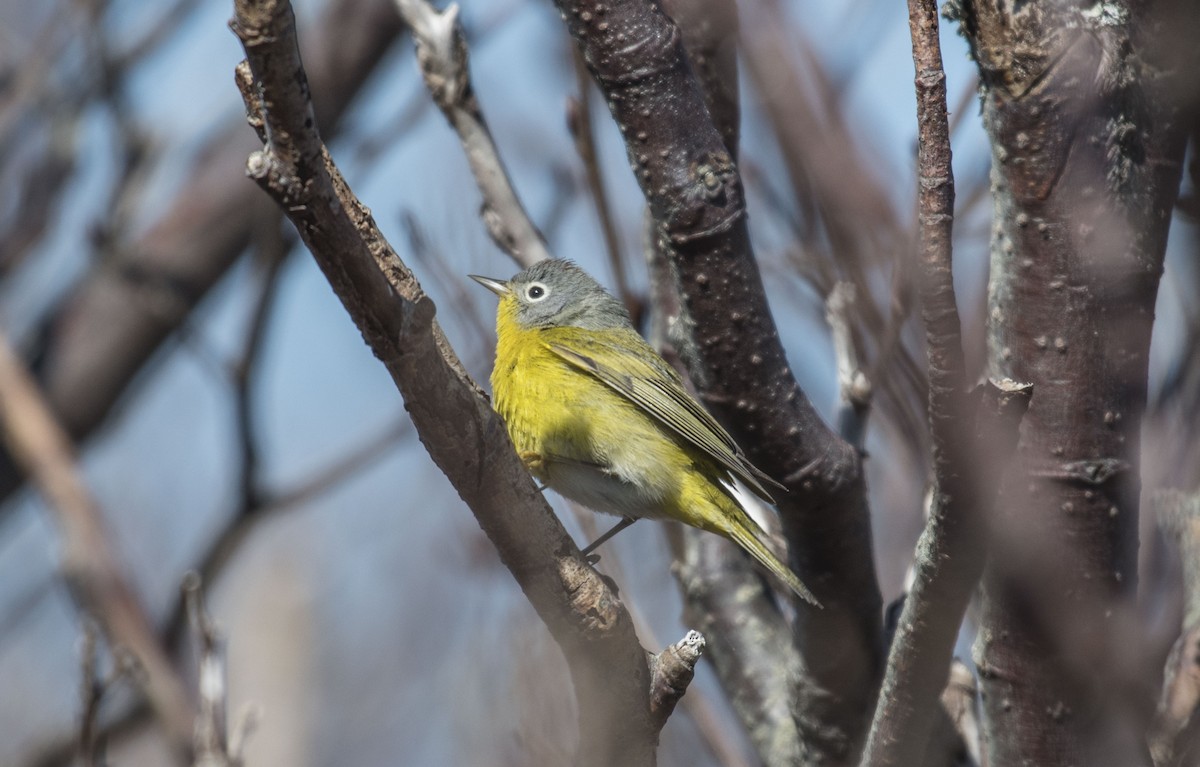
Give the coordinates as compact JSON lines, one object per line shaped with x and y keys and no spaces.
{"x":948,"y":562}
{"x":272,"y":252}
{"x":442,"y":56}
{"x":459,"y":429}
{"x":752,"y":650}
{"x":949,"y":554}
{"x":848,"y":224}
{"x":90,"y":567}
{"x":730,"y":344}
{"x":94,"y":688}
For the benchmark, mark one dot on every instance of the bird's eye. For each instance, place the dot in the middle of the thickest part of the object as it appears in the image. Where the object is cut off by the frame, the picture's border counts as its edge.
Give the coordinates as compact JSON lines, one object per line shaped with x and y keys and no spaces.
{"x":536,"y":292}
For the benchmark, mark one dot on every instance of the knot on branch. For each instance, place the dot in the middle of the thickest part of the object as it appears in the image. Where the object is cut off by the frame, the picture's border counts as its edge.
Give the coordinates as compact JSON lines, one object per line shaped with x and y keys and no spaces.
{"x":270,"y":174}
{"x":671,"y":672}
{"x":711,"y":200}
{"x":595,"y":608}
{"x":1094,"y":472}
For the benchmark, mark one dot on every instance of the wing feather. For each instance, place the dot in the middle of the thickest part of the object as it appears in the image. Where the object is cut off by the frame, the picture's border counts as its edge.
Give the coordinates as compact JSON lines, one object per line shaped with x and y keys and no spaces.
{"x":655,"y":389}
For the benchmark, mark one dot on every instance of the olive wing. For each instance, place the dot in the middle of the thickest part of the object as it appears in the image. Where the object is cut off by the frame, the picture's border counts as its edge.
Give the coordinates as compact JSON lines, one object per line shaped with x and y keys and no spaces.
{"x":655,"y":389}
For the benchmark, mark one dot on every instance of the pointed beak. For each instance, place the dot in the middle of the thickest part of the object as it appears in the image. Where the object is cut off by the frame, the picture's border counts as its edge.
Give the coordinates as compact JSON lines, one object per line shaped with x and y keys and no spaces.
{"x":498,"y":287}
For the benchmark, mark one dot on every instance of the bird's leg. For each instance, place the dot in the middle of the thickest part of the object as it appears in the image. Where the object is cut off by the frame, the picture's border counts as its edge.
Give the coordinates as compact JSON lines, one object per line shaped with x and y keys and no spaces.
{"x":587,"y":552}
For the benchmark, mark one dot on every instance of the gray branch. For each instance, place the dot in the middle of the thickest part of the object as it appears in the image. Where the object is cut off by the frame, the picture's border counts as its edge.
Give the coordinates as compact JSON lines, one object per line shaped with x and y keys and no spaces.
{"x":442,"y":55}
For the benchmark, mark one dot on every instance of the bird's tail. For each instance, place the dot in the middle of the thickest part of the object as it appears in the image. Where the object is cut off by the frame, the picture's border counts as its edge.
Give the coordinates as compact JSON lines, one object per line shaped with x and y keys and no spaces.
{"x":741,"y":530}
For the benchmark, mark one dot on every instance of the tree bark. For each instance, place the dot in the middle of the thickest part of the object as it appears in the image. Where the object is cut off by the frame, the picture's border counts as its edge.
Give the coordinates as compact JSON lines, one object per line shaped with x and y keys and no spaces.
{"x":1086,"y":150}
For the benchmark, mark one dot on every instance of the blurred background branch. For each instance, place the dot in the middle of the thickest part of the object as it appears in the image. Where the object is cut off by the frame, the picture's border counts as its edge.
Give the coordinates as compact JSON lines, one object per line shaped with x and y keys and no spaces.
{"x":90,"y":566}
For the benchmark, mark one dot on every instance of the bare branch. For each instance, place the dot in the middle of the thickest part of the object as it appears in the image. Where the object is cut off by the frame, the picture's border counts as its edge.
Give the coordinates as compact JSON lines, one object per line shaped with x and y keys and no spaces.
{"x":949,"y":559}
{"x":751,"y":649}
{"x":91,"y":569}
{"x":1087,"y":150}
{"x":94,"y":687}
{"x":272,"y":251}
{"x":442,"y":55}
{"x":462,"y":433}
{"x":921,"y":650}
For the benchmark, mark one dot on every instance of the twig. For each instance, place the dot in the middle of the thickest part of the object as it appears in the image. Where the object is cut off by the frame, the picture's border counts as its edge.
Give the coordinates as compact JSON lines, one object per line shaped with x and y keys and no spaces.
{"x":699,"y":708}
{"x":215,"y":746}
{"x":950,"y":553}
{"x":272,"y":251}
{"x":94,"y":687}
{"x":853,"y":383}
{"x":384,"y":135}
{"x":457,"y":425}
{"x":849,"y":223}
{"x":89,"y":566}
{"x":752,"y":650}
{"x":442,"y":55}
{"x":579,"y":122}
{"x":221,"y":550}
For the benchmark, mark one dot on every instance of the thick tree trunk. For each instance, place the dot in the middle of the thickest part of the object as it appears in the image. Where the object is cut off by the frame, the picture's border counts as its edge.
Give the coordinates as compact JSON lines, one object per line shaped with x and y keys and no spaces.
{"x":1086,"y":162}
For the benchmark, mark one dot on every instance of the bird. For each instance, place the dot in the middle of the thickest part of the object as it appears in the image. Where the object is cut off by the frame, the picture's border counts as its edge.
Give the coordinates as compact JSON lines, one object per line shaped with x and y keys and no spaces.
{"x":601,"y":418}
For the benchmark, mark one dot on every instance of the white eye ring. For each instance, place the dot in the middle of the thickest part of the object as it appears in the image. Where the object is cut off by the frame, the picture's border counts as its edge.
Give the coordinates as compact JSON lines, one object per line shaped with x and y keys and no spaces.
{"x":536,"y":291}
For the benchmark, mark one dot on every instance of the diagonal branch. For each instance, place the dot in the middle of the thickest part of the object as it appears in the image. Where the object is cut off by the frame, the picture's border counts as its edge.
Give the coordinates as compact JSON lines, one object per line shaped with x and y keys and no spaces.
{"x":461,"y":432}
{"x":89,"y":565}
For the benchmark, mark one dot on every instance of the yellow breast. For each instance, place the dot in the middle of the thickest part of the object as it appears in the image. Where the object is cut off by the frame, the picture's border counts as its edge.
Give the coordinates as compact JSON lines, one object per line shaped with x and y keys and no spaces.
{"x":597,"y":447}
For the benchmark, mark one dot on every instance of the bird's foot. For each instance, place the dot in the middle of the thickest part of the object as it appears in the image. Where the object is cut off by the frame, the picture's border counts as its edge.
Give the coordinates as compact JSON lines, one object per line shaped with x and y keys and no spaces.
{"x":532,"y":460}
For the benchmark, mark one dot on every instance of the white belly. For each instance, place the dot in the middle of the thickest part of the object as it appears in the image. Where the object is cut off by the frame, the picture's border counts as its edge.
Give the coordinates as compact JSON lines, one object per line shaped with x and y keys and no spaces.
{"x":609,"y":490}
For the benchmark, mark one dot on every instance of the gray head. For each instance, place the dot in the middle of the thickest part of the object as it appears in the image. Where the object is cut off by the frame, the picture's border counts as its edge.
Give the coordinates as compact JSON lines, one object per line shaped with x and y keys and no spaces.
{"x":555,"y":293}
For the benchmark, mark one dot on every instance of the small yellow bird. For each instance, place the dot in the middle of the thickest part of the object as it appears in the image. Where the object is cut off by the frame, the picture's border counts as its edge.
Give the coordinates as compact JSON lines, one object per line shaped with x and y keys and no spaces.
{"x":597,"y":415}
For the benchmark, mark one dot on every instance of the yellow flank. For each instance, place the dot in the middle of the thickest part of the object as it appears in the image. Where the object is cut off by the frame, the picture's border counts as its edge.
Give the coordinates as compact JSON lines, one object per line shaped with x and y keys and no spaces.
{"x":593,"y":445}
